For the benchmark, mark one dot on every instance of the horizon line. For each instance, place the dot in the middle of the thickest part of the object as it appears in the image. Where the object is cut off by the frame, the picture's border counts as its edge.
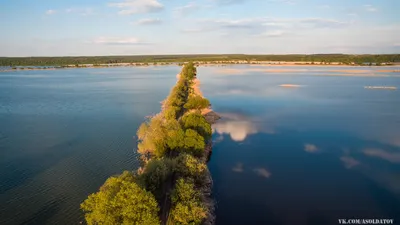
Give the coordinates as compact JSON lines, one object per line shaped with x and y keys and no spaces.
{"x":201,"y":54}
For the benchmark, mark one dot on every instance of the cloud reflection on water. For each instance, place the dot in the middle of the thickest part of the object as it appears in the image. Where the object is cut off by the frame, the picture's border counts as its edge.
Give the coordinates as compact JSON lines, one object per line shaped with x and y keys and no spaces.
{"x":386,"y":179}
{"x":218,"y":139}
{"x":310,"y":148}
{"x":262,"y":172}
{"x":349,"y":162}
{"x":237,"y":126}
{"x":393,"y":157}
{"x":328,"y":113}
{"x":238,"y":168}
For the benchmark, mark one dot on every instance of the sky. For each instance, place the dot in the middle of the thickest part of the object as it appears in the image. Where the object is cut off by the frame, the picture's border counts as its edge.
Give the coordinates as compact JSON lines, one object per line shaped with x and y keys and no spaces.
{"x":137,"y":27}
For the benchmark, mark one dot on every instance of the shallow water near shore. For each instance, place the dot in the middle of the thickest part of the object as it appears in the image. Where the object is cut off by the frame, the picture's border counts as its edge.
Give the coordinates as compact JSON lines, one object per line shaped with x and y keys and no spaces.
{"x":293,"y":147}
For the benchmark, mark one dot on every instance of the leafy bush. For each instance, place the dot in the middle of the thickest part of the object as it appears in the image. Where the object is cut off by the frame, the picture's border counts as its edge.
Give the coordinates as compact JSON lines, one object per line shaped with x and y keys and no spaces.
{"x":191,"y":167}
{"x":142,"y":131}
{"x":152,"y":138}
{"x":194,"y":142}
{"x":197,"y":102}
{"x":121,"y":201}
{"x":189,"y":71}
{"x":187,"y":206}
{"x":175,"y":139}
{"x":171,"y":112}
{"x":197,"y":122}
{"x":155,"y":174}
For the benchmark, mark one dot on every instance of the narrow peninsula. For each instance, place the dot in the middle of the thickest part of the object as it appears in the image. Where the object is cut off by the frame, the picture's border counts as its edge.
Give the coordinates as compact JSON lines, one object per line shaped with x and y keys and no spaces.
{"x":173,"y":185}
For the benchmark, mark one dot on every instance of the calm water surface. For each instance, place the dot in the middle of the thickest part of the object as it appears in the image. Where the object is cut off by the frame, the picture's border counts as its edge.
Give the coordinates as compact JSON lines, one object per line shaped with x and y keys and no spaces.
{"x":63,"y":132}
{"x":325,"y":150}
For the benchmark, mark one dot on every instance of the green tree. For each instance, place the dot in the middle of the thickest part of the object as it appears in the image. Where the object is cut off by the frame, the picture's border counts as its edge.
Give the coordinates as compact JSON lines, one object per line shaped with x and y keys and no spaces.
{"x":187,"y":207}
{"x":152,"y":138}
{"x":191,"y":167}
{"x":121,"y":201}
{"x":171,"y":112}
{"x":189,"y":71}
{"x":175,"y":139}
{"x":194,"y":142}
{"x":197,"y":102}
{"x":197,"y":122}
{"x":142,"y":131}
{"x":156,"y":172}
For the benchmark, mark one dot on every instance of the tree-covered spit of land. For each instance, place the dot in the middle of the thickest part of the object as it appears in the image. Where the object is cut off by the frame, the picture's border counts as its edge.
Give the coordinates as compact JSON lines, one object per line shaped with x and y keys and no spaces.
{"x":173,"y":184}
{"x":77,"y":61}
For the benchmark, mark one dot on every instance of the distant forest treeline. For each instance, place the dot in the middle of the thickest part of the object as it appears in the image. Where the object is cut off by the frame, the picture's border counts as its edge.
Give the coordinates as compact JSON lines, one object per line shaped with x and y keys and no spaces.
{"x":324,"y":58}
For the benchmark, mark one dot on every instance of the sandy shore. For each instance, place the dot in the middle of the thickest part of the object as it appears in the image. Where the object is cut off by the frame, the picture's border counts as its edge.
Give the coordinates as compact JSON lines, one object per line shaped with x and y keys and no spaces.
{"x":317,"y":72}
{"x":290,"y":85}
{"x":223,"y":63}
{"x":381,"y":87}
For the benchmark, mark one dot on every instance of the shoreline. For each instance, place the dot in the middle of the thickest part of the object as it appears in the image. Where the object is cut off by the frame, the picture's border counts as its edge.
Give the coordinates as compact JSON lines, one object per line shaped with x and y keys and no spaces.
{"x":200,"y":64}
{"x":205,"y":189}
{"x":173,"y":184}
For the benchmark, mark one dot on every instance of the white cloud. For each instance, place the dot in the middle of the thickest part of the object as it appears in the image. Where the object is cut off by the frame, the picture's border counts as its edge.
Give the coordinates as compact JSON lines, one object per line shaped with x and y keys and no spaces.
{"x":244,"y":36}
{"x":192,"y":30}
{"x":270,"y":27}
{"x":186,"y":9}
{"x":137,"y":6}
{"x":274,"y":24}
{"x":51,"y":12}
{"x":117,"y":41}
{"x":370,"y":8}
{"x":228,"y":2}
{"x":251,"y":26}
{"x":274,"y":33}
{"x":148,"y":21}
{"x":291,"y":2}
{"x":240,"y":23}
{"x":233,"y":2}
{"x":322,"y":22}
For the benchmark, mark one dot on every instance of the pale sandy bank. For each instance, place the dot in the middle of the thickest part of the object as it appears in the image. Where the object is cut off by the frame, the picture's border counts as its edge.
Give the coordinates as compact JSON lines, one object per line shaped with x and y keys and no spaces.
{"x":290,"y":85}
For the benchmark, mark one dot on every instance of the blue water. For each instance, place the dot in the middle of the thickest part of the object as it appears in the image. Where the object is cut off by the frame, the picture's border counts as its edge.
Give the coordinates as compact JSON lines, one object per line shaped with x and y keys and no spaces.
{"x":63,"y":132}
{"x":326,"y":150}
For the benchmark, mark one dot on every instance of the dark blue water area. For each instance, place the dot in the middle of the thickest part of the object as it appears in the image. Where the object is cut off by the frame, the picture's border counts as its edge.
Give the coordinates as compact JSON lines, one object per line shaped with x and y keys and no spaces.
{"x":64,"y":132}
{"x":326,"y":150}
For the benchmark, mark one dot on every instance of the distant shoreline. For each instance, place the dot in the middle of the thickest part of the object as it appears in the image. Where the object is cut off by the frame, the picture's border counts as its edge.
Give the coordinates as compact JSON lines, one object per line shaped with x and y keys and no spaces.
{"x":201,"y":63}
